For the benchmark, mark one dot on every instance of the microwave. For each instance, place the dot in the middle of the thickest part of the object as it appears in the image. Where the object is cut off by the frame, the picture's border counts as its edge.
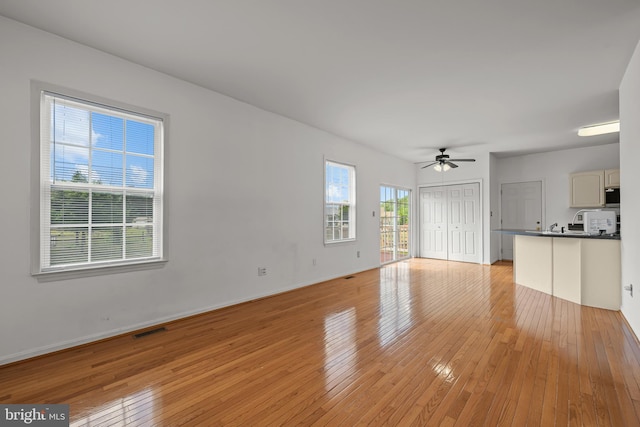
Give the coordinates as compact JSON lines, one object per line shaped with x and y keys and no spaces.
{"x":612,"y":196}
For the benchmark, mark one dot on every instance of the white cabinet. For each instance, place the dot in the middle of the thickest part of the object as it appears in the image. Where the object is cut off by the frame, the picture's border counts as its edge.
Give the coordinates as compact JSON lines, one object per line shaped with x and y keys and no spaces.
{"x":533,"y":262}
{"x":584,"y":271}
{"x":587,"y":189}
{"x":600,"y":274}
{"x":612,"y":178}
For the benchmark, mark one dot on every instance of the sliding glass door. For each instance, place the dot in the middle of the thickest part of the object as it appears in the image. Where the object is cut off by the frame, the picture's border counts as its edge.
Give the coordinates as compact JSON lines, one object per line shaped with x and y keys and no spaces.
{"x":395,"y":206}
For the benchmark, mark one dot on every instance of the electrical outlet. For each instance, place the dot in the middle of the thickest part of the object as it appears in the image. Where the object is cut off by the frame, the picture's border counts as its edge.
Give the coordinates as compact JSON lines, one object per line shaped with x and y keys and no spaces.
{"x":358,"y":254}
{"x":262,"y":271}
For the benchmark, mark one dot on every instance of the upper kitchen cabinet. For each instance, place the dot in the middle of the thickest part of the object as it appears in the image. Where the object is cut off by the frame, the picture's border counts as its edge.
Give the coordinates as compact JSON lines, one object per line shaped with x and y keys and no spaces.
{"x":612,"y":178}
{"x":587,"y":189}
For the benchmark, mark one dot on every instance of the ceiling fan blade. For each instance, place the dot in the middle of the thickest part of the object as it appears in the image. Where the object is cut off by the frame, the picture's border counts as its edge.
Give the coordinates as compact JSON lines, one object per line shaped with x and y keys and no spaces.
{"x":430,"y":164}
{"x":463,"y":160}
{"x":453,"y":165}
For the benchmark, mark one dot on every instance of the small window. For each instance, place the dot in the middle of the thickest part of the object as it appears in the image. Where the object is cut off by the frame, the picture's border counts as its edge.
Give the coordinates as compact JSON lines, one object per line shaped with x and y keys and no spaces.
{"x":101,"y":178}
{"x":339,"y":202}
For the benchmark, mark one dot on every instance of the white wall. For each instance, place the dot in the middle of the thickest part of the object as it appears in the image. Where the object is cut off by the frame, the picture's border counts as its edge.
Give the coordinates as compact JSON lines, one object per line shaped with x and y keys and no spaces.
{"x":629,"y":178}
{"x":467,"y":172}
{"x":245,"y":190}
{"x":553,"y":168}
{"x":494,"y":194}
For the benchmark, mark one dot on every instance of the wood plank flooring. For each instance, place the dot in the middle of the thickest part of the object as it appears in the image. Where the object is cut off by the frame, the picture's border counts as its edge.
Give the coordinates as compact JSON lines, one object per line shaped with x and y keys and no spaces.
{"x":416,"y":343}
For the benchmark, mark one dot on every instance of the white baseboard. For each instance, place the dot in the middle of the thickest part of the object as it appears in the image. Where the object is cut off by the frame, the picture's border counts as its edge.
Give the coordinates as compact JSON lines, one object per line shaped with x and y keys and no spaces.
{"x":39,"y":351}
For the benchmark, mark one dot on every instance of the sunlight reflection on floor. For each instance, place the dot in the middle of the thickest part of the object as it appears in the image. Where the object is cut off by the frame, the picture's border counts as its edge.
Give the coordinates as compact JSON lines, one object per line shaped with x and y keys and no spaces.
{"x":395,"y":302}
{"x":339,"y":347}
{"x":134,"y":409}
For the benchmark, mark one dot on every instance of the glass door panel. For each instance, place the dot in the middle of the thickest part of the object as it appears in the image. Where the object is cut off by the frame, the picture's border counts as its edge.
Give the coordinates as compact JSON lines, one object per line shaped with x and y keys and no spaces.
{"x":395,"y":208}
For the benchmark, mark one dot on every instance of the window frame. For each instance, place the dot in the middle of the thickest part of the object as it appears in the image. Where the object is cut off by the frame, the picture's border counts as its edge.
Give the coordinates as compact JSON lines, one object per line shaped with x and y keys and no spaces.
{"x":353,"y":203}
{"x":39,"y":185}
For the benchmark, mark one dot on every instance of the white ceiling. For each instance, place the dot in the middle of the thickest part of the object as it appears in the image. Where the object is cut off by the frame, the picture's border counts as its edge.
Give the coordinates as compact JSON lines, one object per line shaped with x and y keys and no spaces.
{"x":403,"y":76}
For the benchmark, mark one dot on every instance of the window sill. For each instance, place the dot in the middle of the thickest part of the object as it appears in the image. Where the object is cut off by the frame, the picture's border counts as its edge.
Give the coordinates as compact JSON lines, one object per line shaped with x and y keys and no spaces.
{"x":55,"y":275}
{"x":338,"y":242}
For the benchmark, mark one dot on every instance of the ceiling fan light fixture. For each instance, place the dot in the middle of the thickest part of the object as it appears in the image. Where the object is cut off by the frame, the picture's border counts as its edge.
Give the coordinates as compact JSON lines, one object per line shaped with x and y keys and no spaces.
{"x":600,"y":129}
{"x":443,"y":162}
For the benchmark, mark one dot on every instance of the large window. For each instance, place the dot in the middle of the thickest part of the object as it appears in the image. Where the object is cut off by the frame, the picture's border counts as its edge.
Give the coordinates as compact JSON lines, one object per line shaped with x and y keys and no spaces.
{"x":339,"y":202}
{"x":101,"y":178}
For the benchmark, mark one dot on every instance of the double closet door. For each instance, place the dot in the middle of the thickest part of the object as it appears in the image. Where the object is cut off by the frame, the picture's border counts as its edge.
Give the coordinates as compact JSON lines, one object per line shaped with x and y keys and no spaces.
{"x":450,"y":223}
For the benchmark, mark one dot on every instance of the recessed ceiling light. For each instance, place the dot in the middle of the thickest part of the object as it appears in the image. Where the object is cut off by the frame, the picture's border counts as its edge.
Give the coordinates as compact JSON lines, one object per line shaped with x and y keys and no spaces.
{"x":600,"y":129}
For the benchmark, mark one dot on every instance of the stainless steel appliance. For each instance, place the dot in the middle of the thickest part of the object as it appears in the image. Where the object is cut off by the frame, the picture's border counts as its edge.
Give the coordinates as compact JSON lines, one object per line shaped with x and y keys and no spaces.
{"x":612,"y":197}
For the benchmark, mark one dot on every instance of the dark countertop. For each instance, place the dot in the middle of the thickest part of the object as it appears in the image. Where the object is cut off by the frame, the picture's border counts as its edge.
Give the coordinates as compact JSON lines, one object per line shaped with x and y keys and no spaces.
{"x":547,"y":234}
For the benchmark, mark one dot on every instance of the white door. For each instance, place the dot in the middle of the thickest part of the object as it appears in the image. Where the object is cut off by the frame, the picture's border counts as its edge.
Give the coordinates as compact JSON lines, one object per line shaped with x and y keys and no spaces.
{"x":521,"y":209}
{"x":433,"y":223}
{"x":464,"y":223}
{"x":450,"y":223}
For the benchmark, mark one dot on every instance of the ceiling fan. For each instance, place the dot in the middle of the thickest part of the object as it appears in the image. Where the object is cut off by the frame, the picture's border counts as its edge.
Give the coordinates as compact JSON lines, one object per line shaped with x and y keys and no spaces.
{"x":443,"y":162}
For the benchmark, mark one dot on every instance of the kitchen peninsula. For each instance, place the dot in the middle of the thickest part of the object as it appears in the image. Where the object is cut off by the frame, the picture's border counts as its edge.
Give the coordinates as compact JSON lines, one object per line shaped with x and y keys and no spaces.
{"x":576,"y":267}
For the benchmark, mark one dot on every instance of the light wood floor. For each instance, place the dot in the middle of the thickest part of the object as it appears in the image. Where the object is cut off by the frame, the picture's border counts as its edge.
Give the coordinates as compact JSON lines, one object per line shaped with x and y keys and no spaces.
{"x":419,"y":342}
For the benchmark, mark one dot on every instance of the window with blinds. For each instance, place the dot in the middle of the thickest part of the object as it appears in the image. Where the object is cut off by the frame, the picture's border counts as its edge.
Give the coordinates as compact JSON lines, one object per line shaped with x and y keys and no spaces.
{"x":101,"y":178}
{"x":339,"y":202}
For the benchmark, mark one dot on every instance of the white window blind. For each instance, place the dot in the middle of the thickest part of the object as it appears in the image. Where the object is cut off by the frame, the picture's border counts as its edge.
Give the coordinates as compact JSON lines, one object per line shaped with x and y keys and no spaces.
{"x":339,"y":202}
{"x":101,"y":179}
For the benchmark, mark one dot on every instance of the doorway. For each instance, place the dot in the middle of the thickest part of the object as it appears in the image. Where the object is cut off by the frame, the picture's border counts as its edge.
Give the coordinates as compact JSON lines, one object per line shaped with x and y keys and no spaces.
{"x":520,"y":209}
{"x":395,"y":207}
{"x":451,"y":223}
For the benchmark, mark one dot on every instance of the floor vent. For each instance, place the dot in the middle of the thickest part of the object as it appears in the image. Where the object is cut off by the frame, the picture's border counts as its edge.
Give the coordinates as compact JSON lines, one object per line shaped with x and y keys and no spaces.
{"x":349,"y":277}
{"x":149,"y":332}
